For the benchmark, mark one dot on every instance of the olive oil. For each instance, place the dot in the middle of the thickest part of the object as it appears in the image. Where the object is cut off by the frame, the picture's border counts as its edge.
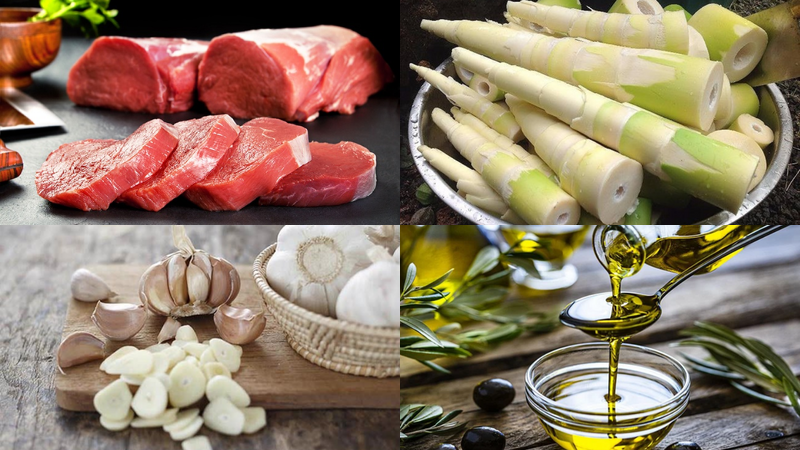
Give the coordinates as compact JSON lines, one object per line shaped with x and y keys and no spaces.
{"x":555,"y":244}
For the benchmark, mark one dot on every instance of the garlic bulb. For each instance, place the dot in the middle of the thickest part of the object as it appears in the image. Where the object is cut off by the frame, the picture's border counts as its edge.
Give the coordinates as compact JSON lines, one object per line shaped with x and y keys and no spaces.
{"x":312,"y":263}
{"x":189,"y":282}
{"x":372,"y":296}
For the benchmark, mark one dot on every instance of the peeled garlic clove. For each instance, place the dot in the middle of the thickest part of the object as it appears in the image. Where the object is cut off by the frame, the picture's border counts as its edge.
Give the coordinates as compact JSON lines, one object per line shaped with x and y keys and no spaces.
{"x":226,"y":354}
{"x":224,"y":417}
{"x":165,"y":418}
{"x":222,"y":386}
{"x":119,"y":321}
{"x":239,"y":325}
{"x":196,"y":443}
{"x":78,"y":348}
{"x":122,"y":351}
{"x":114,"y":401}
{"x":86,"y":286}
{"x":151,"y":399}
{"x":183,"y":419}
{"x":225,"y":283}
{"x":176,"y":277}
{"x":154,"y":290}
{"x":187,"y":431}
{"x":187,"y":384}
{"x":139,"y":362}
{"x":198,"y":283}
{"x":117,"y":425}
{"x":186,"y":333}
{"x":255,"y":418}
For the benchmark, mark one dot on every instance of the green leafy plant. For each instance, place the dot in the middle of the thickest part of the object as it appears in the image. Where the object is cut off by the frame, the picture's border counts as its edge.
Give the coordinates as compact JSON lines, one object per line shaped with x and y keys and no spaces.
{"x":479,"y":298}
{"x":419,"y":420}
{"x":749,"y":364}
{"x":83,"y":14}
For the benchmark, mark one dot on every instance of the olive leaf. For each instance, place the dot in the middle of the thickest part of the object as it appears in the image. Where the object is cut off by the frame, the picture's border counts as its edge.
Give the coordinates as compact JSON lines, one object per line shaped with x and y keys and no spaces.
{"x":418,"y":420}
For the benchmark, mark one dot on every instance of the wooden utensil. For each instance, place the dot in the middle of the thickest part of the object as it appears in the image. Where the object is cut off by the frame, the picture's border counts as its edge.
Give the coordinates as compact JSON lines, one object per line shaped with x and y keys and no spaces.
{"x":781,"y":60}
{"x":10,"y":163}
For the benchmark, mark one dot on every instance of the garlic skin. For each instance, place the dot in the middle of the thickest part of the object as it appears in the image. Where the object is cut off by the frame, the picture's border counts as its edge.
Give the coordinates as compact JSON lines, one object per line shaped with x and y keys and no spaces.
{"x":239,"y":325}
{"x":78,"y":348}
{"x":312,"y":263}
{"x":372,"y":296}
{"x":119,"y":321}
{"x":189,"y":282}
{"x":86,"y":286}
{"x":387,"y":236}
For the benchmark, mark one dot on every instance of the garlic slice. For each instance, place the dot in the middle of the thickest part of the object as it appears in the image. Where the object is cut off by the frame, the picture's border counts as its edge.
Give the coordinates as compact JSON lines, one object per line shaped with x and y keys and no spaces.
{"x":139,"y":362}
{"x":187,"y":431}
{"x":163,"y":419}
{"x":187,"y":384}
{"x":78,"y":348}
{"x":215,"y":368}
{"x":186,"y":333}
{"x":183,"y":419}
{"x":197,"y":443}
{"x":86,"y":286}
{"x":117,"y":425}
{"x":239,"y":325}
{"x":122,"y":351}
{"x":224,"y":417}
{"x":119,"y":321}
{"x":226,"y":354}
{"x":113,"y":401}
{"x":150,"y":400}
{"x":221,"y":386}
{"x":255,"y":418}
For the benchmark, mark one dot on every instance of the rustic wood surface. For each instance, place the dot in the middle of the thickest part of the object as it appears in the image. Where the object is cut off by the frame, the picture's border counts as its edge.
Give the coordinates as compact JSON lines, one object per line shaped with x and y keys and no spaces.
{"x":36,"y":266}
{"x":754,"y":293}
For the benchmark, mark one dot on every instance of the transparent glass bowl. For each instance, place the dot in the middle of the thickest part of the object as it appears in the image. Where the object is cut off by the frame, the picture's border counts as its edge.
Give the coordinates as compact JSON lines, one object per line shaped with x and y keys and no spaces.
{"x":654,"y":388}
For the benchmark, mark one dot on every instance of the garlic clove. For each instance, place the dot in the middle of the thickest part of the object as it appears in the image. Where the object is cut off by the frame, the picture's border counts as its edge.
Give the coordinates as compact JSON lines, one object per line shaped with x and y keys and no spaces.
{"x":222,"y":386}
{"x":196,"y":443}
{"x":114,"y":400}
{"x":213,"y":369}
{"x":255,"y":418}
{"x":222,"y":416}
{"x":139,"y":362}
{"x":183,"y":419}
{"x":188,"y":431}
{"x":86,"y":286}
{"x":198,"y":283}
{"x":167,"y":417}
{"x":226,"y":354}
{"x":122,"y":351}
{"x":176,"y":279}
{"x":168,"y":330}
{"x":117,"y":425}
{"x":203,"y":262}
{"x":186,"y":333}
{"x":78,"y":348}
{"x":119,"y":321}
{"x":150,"y":400}
{"x":187,"y":384}
{"x":239,"y":325}
{"x":225,"y":283}
{"x":154,"y":290}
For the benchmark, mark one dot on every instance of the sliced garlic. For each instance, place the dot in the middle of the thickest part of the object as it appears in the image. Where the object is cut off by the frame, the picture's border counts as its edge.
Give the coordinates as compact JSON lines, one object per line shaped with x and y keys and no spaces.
{"x":183,"y":419}
{"x":167,"y":417}
{"x":255,"y":418}
{"x":195,"y":349}
{"x":197,"y":443}
{"x":133,"y":380}
{"x":239,"y":325}
{"x":156,"y":348}
{"x":139,"y":362}
{"x":175,"y":355}
{"x":122,"y":351}
{"x":215,"y":368}
{"x":168,"y":330}
{"x":161,"y":363}
{"x":86,"y":286}
{"x":114,"y":400}
{"x":186,"y":333}
{"x":78,"y":348}
{"x":119,"y":321}
{"x":117,"y":425}
{"x":227,"y":354}
{"x":151,"y":399}
{"x":224,"y":417}
{"x":188,"y":431}
{"x":221,"y":386}
{"x":207,"y":356}
{"x":187,"y":384}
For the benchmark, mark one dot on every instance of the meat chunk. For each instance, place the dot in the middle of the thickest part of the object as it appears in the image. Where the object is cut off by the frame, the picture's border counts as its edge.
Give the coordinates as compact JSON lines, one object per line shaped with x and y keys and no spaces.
{"x":203,"y":143}
{"x":338,"y":173}
{"x":152,"y":75}
{"x":283,"y":73}
{"x":265,"y":151}
{"x":92,"y":173}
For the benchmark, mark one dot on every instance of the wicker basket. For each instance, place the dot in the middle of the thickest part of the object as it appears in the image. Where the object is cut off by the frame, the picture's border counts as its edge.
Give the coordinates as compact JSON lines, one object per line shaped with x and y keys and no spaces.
{"x":337,"y":345}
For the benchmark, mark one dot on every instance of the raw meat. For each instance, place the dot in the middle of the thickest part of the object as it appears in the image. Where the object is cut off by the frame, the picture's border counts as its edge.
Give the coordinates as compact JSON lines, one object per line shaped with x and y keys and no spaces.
{"x":92,"y":173}
{"x":338,"y":173}
{"x":152,"y":75}
{"x":203,"y":143}
{"x":282,"y":72}
{"x":266,"y":150}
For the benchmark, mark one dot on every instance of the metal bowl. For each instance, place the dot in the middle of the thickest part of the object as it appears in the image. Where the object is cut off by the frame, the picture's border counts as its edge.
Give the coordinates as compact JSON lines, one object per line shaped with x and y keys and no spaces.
{"x":774,"y":112}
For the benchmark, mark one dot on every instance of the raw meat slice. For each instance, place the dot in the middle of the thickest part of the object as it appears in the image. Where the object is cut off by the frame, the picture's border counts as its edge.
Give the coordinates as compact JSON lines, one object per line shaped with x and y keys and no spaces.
{"x":203,"y":143}
{"x":355,"y":72}
{"x":266,"y":150}
{"x":92,"y":173}
{"x":338,"y":173}
{"x":153,"y":75}
{"x":262,"y":73}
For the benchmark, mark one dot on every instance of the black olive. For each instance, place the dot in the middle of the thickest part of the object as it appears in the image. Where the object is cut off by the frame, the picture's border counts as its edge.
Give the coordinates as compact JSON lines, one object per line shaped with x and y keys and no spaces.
{"x":493,"y":394}
{"x":683,"y":446}
{"x":483,"y":438}
{"x":446,"y":447}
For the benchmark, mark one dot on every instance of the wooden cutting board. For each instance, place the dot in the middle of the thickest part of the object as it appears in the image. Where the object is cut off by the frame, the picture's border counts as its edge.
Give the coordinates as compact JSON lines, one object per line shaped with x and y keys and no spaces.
{"x":274,"y":375}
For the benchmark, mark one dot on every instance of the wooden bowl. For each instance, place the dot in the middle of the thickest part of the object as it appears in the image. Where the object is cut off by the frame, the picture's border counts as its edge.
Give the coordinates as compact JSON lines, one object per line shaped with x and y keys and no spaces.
{"x":25,"y":47}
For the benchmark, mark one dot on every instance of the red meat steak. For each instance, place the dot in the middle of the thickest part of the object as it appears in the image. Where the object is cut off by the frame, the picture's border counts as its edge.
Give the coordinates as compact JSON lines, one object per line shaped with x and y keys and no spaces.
{"x":203,"y":143}
{"x":355,"y":72}
{"x":266,"y":150}
{"x":338,"y":173}
{"x":90,"y":174}
{"x":153,"y":75}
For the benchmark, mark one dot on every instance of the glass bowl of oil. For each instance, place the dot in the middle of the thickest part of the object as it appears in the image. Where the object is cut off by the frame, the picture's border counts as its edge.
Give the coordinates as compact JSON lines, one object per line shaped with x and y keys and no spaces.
{"x":568,"y":390}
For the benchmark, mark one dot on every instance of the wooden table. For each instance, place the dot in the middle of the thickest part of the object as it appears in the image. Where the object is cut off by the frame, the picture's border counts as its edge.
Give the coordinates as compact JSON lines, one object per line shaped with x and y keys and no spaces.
{"x":756,"y":293}
{"x":36,"y":266}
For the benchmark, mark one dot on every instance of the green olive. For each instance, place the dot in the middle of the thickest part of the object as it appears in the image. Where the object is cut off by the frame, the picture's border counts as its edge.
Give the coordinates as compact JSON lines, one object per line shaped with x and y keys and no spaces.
{"x":493,"y":394}
{"x":483,"y":438}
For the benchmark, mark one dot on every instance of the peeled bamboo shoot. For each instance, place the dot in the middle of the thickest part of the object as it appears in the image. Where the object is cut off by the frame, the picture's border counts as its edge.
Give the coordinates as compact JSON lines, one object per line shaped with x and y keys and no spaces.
{"x":703,"y":167}
{"x":748,"y":145}
{"x":649,"y":7}
{"x":755,"y":128}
